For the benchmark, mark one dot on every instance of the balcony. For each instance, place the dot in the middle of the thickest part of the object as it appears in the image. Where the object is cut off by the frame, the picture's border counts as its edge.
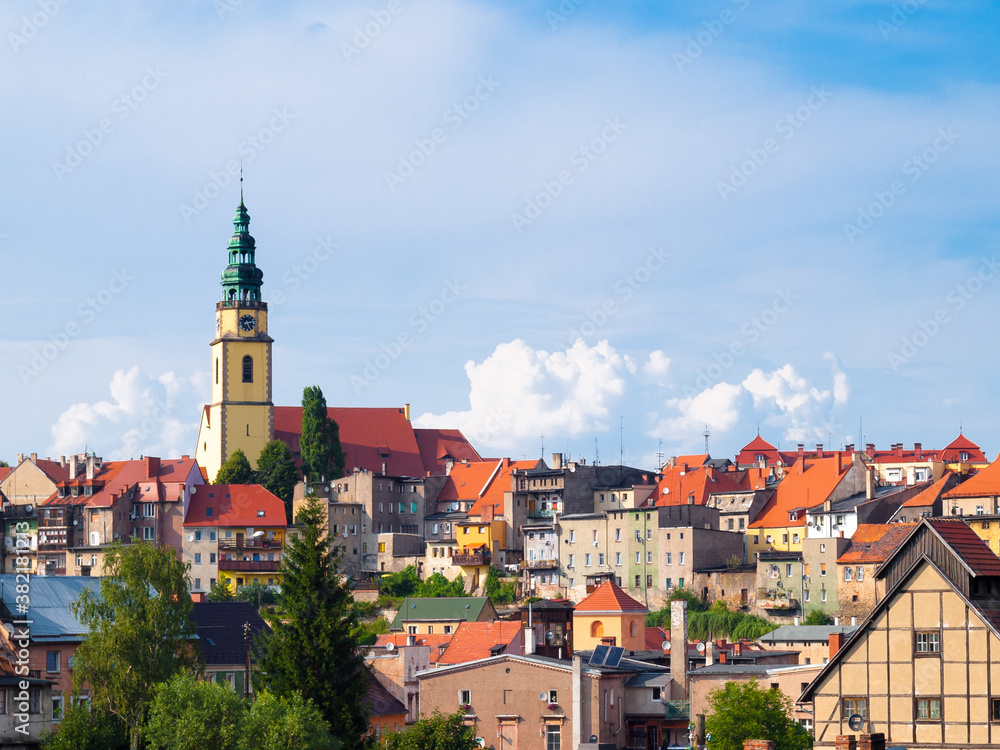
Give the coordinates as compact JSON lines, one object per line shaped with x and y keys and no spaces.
{"x":250,"y":566}
{"x":225,"y":544}
{"x":676,"y":710}
{"x":775,"y":599}
{"x":542,"y":512}
{"x":471,"y":558}
{"x":47,"y":523}
{"x":539,"y":564}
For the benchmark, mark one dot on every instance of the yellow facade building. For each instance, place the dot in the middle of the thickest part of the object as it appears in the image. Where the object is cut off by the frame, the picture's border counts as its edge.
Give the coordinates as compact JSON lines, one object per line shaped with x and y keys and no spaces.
{"x":609,"y":616}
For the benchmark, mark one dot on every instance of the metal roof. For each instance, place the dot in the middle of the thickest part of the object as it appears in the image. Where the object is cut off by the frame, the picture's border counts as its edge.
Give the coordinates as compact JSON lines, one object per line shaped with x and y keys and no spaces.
{"x":51,"y":597}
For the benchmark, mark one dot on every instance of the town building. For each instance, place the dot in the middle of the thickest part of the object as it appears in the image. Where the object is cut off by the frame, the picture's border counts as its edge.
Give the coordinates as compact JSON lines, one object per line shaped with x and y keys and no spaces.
{"x":858,"y":588}
{"x":611,"y":617}
{"x":976,"y":496}
{"x":811,"y":641}
{"x":222,"y":630}
{"x":442,"y":616}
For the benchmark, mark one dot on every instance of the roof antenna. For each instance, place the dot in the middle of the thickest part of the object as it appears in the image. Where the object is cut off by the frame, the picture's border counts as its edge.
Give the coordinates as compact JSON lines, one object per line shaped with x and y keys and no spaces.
{"x":241,"y":182}
{"x":707,"y":433}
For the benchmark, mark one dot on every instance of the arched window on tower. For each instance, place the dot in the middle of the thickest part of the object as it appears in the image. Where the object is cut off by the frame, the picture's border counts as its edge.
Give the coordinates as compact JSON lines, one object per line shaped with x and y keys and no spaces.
{"x":248,"y":369}
{"x":597,"y":629}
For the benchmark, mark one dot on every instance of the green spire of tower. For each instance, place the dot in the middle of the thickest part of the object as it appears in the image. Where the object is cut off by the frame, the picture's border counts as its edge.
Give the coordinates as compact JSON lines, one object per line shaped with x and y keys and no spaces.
{"x":241,"y":281}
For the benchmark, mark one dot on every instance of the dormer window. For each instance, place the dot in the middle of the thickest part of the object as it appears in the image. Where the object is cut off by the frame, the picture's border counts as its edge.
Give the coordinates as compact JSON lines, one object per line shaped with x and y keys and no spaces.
{"x":88,"y":490}
{"x":964,"y":456}
{"x":792,"y":516}
{"x":260,"y":514}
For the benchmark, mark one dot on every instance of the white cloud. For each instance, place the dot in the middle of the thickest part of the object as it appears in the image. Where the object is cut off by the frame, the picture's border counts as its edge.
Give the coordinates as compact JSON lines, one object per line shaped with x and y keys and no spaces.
{"x":145,"y":416}
{"x":657,"y":366}
{"x":717,"y":407}
{"x":784,"y":388}
{"x":519,"y":393}
{"x":841,"y":389}
{"x":800,"y":409}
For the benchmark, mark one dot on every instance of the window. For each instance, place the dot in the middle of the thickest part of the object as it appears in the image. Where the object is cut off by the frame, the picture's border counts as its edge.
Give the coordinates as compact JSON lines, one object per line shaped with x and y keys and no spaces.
{"x":669,"y":558}
{"x":805,"y":594}
{"x":572,"y":561}
{"x":979,"y":510}
{"x":994,"y":709}
{"x":822,"y":548}
{"x":572,"y":535}
{"x":57,"y":707}
{"x":649,"y":582}
{"x":381,"y":546}
{"x":586,"y":560}
{"x":600,"y":558}
{"x":211,"y":558}
{"x":928,"y":709}
{"x":553,"y":737}
{"x":680,"y":560}
{"x":767,"y":538}
{"x":822,"y":569}
{"x":553,"y":696}
{"x":618,"y":558}
{"x":148,"y":510}
{"x":742,"y":524}
{"x":595,"y":535}
{"x":680,"y":583}
{"x":855,"y":706}
{"x":929,"y":642}
{"x":197,"y":583}
{"x":788,"y":569}
{"x":649,"y":557}
{"x":197,"y":558}
{"x":638,"y":582}
{"x":197,"y":536}
{"x":668,"y":583}
{"x":248,"y":369}
{"x":730,"y":524}
{"x":147,"y":533}
{"x":656,"y":693}
{"x":848,"y":574}
{"x":413,"y":507}
{"x":784,"y":538}
{"x":464,"y":697}
{"x":795,"y":538}
{"x":211,"y":536}
{"x":618,"y":534}
{"x":53,"y":662}
{"x":822,"y":595}
{"x":649,"y":534}
{"x":859,"y":574}
{"x":638,"y":558}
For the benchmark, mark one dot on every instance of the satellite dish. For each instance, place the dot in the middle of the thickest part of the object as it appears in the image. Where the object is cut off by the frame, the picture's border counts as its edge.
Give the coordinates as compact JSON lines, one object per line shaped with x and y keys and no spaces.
{"x":701,"y":648}
{"x":665,"y":645}
{"x":390,"y":646}
{"x":549,"y":635}
{"x":28,"y":508}
{"x":856,"y":722}
{"x":190,"y":537}
{"x":543,"y":696}
{"x":593,"y":739}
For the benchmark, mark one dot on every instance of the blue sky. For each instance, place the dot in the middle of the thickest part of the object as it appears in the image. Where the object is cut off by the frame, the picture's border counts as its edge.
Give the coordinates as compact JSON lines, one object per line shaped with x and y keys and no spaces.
{"x":577,"y":218}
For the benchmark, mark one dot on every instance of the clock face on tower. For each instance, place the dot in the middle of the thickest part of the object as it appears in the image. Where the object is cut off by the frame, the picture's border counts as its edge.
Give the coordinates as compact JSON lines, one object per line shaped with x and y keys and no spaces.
{"x":247,"y":322}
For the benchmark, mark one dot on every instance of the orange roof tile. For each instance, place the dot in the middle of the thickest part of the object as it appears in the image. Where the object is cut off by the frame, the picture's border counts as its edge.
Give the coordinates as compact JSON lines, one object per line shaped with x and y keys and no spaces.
{"x":874,"y":542}
{"x":234,"y":505}
{"x":609,"y":597}
{"x":655,"y":637}
{"x":931,"y":494}
{"x":953,"y":451}
{"x":475,"y":640}
{"x":467,"y":481}
{"x":984,"y":483}
{"x":436,"y":445}
{"x":679,"y":484}
{"x":697,"y":459}
{"x":802,"y":489}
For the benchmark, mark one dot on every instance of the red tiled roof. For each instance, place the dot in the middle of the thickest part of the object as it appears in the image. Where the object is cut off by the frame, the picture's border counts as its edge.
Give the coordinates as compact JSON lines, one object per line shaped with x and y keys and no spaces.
{"x":234,"y":505}
{"x":655,"y":637}
{"x":678,"y":484}
{"x":754,"y":478}
{"x":436,"y":445}
{"x":468,"y":481}
{"x":967,"y":545}
{"x":155,"y":480}
{"x":759,"y":447}
{"x":365,"y":436}
{"x":53,"y":470}
{"x":4,"y":471}
{"x":984,"y":483}
{"x":499,"y":485}
{"x":802,"y":489}
{"x":931,"y":494}
{"x":609,"y":597}
{"x":952,"y":452}
{"x":435,"y":641}
{"x":697,"y":459}
{"x":474,"y":640}
{"x":874,"y":542}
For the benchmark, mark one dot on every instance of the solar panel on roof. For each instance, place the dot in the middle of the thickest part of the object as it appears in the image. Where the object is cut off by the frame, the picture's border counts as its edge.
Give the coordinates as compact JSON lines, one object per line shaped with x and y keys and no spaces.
{"x":599,"y":655}
{"x":614,"y":656}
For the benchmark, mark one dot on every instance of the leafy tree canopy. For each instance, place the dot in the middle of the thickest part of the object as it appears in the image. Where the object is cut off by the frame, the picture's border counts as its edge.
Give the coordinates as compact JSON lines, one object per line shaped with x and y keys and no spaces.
{"x":220,"y":593}
{"x":743,"y":711}
{"x":192,"y":714}
{"x":818,"y":617}
{"x":319,"y":442}
{"x":661,"y":617}
{"x":257,"y":594}
{"x":83,"y":728}
{"x":138,"y":631}
{"x":276,"y":473}
{"x":407,"y":583}
{"x":236,"y":470}
{"x":311,"y":649}
{"x":499,"y":592}
{"x":436,"y":732}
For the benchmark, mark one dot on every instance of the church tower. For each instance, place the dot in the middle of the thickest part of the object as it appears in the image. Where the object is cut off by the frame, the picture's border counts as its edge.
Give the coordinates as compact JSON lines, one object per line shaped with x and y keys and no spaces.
{"x":241,"y":414}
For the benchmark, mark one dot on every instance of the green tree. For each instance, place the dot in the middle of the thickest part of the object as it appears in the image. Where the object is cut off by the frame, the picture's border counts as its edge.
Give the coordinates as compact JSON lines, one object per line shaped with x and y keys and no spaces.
{"x":437,"y":586}
{"x":752,"y":627}
{"x":310,"y":648}
{"x":236,"y":470}
{"x":192,"y":714}
{"x":436,"y":732}
{"x":291,"y":723}
{"x":499,"y":592}
{"x":138,"y":631}
{"x":817,"y":617}
{"x":220,"y":593}
{"x":404,"y":583}
{"x":276,"y":473}
{"x":257,"y":594}
{"x":717,"y":621}
{"x":661,"y":617}
{"x":319,"y":443}
{"x":744,"y":711}
{"x":84,"y":729}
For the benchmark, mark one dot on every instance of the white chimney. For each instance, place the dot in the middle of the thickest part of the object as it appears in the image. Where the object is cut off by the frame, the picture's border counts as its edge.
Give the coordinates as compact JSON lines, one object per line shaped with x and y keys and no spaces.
{"x":798,"y":620}
{"x":90,"y":467}
{"x":678,"y":643}
{"x":72,"y":466}
{"x":854,"y":621}
{"x":836,"y":621}
{"x":529,"y":641}
{"x":578,"y":698}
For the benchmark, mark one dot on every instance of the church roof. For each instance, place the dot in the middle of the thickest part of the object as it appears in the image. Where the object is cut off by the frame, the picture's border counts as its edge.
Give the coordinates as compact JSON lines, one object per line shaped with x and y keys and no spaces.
{"x":437,"y":445}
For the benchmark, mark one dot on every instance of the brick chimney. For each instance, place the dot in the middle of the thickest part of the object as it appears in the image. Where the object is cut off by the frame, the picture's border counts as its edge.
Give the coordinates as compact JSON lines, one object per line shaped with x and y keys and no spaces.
{"x":875,"y":741}
{"x":802,"y":451}
{"x":557,"y":461}
{"x":840,"y":461}
{"x":34,"y":458}
{"x":758,"y":744}
{"x":819,"y":450}
{"x":152,"y":466}
{"x":836,"y":641}
{"x":870,"y":449}
{"x":918,"y":448}
{"x":845,"y":742}
{"x":722,"y":657}
{"x":899,"y":450}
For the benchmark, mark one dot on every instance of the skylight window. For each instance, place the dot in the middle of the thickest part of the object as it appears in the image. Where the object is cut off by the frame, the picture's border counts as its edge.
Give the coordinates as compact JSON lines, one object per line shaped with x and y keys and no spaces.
{"x":260,"y":514}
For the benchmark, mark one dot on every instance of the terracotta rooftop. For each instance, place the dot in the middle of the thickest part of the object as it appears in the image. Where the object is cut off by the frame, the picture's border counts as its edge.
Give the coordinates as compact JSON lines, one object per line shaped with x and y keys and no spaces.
{"x":655,"y":637}
{"x":967,"y":545}
{"x":436,"y":446}
{"x":437,"y":642}
{"x":476,"y":640}
{"x":247,"y":505}
{"x":683,"y":481}
{"x":931,"y":494}
{"x":803,"y":488}
{"x":984,"y":483}
{"x":609,"y":597}
{"x":874,"y":542}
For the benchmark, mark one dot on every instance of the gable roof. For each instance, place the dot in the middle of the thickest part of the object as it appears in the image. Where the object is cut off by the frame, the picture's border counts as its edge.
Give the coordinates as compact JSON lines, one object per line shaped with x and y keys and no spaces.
{"x":399,"y":640}
{"x":875,"y":542}
{"x":984,"y":483}
{"x":655,"y":636}
{"x":444,"y":608}
{"x":234,"y":505}
{"x":967,"y":545}
{"x":953,"y":451}
{"x":378,"y":700}
{"x":805,"y":485}
{"x":695,"y":459}
{"x":220,"y":630}
{"x":758,"y":447}
{"x":476,"y":640}
{"x":680,"y":482}
{"x":930,"y":495}
{"x":437,"y":445}
{"x":609,"y":597}
{"x":468,"y":481}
